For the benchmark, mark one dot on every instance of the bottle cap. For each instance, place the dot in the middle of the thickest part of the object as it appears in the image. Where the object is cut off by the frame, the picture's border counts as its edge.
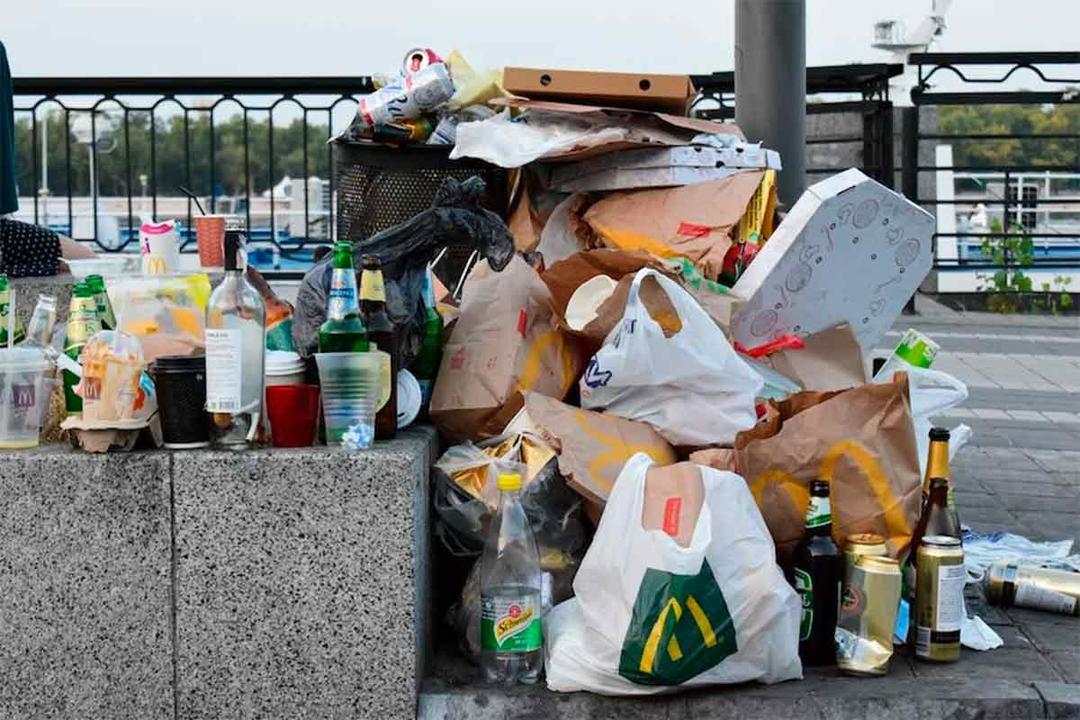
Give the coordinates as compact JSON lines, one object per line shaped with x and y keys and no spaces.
{"x":939,"y":434}
{"x":935,"y":481}
{"x":819,"y":487}
{"x":510,"y":481}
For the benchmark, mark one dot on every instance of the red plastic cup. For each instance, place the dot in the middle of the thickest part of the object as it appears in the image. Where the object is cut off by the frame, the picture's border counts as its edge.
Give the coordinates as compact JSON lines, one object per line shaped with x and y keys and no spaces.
{"x":294,"y":414}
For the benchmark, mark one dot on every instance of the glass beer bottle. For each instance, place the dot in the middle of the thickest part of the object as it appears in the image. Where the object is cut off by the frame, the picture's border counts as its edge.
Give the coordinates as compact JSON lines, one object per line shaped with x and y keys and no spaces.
{"x":816,"y":573}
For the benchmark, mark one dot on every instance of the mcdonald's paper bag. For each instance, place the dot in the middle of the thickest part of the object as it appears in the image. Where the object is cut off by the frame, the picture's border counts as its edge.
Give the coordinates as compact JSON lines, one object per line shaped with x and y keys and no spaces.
{"x":693,"y":221}
{"x":651,"y":614}
{"x":860,"y":440}
{"x":592,"y":446}
{"x":505,"y":343}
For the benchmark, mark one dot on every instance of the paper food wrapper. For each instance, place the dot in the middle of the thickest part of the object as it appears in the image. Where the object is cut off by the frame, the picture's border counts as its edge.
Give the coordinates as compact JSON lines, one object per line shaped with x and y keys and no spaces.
{"x":716,"y":458}
{"x":831,"y":360}
{"x":673,"y":498}
{"x":850,"y":250}
{"x":505,"y":343}
{"x":592,"y":447}
{"x":693,"y":221}
{"x":861,"y":441}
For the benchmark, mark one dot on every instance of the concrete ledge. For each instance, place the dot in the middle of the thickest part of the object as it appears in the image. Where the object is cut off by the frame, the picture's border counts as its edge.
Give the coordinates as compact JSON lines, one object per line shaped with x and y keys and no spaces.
{"x":85,"y":587}
{"x":278,"y":584}
{"x":835,"y":698}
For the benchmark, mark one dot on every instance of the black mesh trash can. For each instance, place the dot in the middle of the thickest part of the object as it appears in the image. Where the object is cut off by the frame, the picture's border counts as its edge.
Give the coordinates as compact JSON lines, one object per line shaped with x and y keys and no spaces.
{"x":379,"y":186}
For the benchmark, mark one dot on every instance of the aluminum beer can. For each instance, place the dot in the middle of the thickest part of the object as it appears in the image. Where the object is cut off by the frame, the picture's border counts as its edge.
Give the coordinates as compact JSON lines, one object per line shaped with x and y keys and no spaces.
{"x":863,"y":544}
{"x":430,"y":87}
{"x":1056,"y":591}
{"x":417,"y":59}
{"x":864,"y":630}
{"x":939,"y":598}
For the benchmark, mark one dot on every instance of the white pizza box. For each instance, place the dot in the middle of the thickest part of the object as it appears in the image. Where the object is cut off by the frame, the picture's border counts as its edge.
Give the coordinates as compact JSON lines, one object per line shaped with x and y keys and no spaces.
{"x":850,"y":250}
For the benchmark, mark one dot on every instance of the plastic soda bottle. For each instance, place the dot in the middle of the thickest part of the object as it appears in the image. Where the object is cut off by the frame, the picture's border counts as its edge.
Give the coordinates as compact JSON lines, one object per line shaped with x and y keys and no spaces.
{"x":511,"y":637}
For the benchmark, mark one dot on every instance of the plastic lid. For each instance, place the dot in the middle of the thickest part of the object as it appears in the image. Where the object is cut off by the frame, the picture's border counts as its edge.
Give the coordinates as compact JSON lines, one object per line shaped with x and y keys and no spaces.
{"x":409,"y":398}
{"x":284,"y":362}
{"x":179,"y":363}
{"x":510,"y":481}
{"x":21,"y":359}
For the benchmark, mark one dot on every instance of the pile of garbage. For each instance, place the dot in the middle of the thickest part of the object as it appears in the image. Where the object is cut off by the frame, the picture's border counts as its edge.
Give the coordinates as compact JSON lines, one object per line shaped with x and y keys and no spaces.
{"x":671,"y":460}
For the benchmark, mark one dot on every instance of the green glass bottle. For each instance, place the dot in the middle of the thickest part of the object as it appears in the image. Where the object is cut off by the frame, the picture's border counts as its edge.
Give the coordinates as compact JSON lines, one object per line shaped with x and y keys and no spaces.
{"x":101,"y":299}
{"x":82,"y":324}
{"x":426,"y":365}
{"x":343,"y":330}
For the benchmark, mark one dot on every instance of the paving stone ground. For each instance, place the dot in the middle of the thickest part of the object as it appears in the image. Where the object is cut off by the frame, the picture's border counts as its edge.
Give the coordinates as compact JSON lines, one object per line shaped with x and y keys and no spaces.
{"x":1020,"y":473}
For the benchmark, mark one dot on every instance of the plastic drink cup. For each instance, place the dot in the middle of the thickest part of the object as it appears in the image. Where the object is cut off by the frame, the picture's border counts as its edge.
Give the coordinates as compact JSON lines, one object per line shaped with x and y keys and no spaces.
{"x":351,"y":391}
{"x":160,"y":248}
{"x":24,"y":396}
{"x":294,"y":414}
{"x":181,"y":388}
{"x":210,"y":240}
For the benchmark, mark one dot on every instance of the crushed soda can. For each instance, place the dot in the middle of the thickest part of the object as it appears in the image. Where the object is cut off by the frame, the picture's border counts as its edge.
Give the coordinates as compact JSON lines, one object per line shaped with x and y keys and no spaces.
{"x":868,"y":606}
{"x":393,"y":105}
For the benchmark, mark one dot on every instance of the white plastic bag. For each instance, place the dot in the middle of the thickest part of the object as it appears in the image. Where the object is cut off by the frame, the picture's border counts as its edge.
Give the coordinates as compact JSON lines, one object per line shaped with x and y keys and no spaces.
{"x":691,"y":387}
{"x":651,"y":615}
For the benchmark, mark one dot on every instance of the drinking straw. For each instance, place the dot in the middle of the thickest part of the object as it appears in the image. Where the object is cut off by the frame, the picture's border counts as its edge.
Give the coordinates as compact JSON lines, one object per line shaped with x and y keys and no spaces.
{"x":191,"y":195}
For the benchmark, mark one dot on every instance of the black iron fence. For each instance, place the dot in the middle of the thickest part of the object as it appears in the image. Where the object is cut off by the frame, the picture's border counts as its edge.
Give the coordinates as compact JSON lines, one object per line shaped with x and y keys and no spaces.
{"x":97,"y":154}
{"x":1004,"y":162}
{"x":82,"y":144}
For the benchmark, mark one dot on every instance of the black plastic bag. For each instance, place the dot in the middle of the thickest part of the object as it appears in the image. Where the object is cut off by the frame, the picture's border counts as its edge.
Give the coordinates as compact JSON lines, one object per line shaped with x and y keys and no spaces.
{"x":456,"y":218}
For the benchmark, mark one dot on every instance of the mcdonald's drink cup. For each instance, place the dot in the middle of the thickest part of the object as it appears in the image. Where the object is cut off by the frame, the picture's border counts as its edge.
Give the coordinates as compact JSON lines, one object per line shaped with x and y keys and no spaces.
{"x":160,"y":248}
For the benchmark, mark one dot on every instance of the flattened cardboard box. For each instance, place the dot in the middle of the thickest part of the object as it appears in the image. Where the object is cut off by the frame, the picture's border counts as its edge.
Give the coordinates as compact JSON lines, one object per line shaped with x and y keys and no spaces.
{"x":850,"y":250}
{"x":640,"y":91}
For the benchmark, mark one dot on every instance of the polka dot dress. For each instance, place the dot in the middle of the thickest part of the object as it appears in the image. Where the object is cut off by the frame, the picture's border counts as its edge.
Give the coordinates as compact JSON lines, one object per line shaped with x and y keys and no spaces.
{"x":27,"y":250}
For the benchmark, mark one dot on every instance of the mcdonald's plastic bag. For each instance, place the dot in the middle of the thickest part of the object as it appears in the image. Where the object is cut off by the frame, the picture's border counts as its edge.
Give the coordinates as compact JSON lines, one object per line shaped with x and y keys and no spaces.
{"x":505,"y":343}
{"x":652,"y":615}
{"x":675,"y":371}
{"x":860,"y":440}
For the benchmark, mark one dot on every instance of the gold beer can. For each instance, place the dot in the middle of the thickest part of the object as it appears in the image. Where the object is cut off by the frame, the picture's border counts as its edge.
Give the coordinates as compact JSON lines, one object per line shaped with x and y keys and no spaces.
{"x":864,"y":630}
{"x":939,"y":598}
{"x":863,"y":544}
{"x":1057,"y":591}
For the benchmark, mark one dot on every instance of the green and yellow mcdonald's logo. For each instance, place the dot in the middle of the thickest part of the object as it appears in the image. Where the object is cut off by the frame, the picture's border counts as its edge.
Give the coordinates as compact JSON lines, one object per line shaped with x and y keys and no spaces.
{"x":680,"y":628}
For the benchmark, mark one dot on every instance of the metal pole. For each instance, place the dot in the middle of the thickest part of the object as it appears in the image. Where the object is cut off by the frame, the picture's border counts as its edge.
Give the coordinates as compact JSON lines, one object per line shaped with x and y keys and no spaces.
{"x":909,"y":171}
{"x":770,"y":84}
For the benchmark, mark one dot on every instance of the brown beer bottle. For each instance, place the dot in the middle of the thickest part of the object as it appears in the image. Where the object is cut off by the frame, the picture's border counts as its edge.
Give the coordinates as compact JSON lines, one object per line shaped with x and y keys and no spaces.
{"x":816,"y":573}
{"x":382,"y":334}
{"x":936,"y":519}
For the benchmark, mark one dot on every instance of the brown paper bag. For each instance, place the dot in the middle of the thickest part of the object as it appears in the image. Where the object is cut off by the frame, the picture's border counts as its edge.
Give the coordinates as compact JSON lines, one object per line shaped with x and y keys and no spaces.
{"x":673,"y":498}
{"x":504,"y":344}
{"x":860,"y":440}
{"x":566,"y":276}
{"x":693,"y":221}
{"x":831,"y":360}
{"x":592,"y":446}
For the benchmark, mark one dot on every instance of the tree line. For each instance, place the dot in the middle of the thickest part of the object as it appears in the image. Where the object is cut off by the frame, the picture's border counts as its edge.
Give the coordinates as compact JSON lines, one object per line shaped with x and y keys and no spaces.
{"x":181,"y":156}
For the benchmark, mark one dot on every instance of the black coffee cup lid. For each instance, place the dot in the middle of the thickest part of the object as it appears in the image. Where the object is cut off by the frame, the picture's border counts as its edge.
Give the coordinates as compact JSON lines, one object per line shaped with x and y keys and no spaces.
{"x":179,"y":363}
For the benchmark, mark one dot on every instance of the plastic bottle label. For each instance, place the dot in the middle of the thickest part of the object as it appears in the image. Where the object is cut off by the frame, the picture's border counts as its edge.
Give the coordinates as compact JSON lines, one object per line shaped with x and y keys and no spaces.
{"x":950,"y":598}
{"x":804,"y":585}
{"x":224,"y":369}
{"x":1032,"y":596}
{"x":509,"y":624}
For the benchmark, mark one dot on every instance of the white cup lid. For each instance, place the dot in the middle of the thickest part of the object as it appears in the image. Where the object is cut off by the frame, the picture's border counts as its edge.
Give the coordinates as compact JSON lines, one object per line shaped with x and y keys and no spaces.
{"x":283,"y":362}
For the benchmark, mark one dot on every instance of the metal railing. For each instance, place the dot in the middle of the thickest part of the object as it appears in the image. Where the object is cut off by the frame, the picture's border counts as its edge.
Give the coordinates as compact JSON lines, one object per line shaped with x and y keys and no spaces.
{"x":178,"y":128}
{"x":1005,"y":200}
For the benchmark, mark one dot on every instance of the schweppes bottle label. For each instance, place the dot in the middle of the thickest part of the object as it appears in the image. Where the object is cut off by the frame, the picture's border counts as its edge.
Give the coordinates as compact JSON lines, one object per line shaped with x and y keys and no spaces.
{"x":510,"y":624}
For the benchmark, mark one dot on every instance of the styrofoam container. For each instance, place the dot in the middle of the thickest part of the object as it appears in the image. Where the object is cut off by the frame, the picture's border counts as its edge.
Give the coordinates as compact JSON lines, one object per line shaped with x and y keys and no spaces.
{"x":284,"y":367}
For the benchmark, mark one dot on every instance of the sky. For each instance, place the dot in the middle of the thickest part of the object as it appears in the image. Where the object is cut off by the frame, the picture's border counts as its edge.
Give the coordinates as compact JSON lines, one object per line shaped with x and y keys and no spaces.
{"x":347,"y":37}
